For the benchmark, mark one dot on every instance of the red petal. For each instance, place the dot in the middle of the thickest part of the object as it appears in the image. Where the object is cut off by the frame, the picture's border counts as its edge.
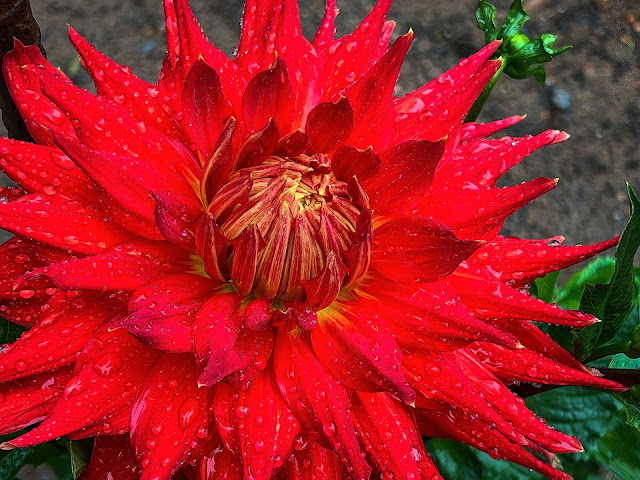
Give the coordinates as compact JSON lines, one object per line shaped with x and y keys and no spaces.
{"x":479,"y":164}
{"x":245,"y":251}
{"x":112,"y":458}
{"x":390,"y":437}
{"x":161,"y":312}
{"x":348,"y":162}
{"x":371,"y":98}
{"x":169,"y":415}
{"x":40,"y":169}
{"x":126,"y":266}
{"x":57,"y":339}
{"x":204,"y":107}
{"x":258,"y":147}
{"x":316,"y":399}
{"x":111,"y":362}
{"x":219,"y":164}
{"x":480,"y":214}
{"x":528,"y":366}
{"x":520,"y":261}
{"x":326,"y":30}
{"x":434,"y":110}
{"x":313,"y":462}
{"x":417,"y":250}
{"x":322,"y":290}
{"x":472,"y":130}
{"x":185,"y":44}
{"x":329,"y":125}
{"x":405,"y":175}
{"x":495,"y":300}
{"x":61,"y":223}
{"x":41,"y":115}
{"x":117,"y":83}
{"x":353,"y":344}
{"x":211,"y":245}
{"x":269,"y":95}
{"x":176,"y":217}
{"x":29,"y":400}
{"x":221,"y":465}
{"x":265,"y":427}
{"x":351,"y":56}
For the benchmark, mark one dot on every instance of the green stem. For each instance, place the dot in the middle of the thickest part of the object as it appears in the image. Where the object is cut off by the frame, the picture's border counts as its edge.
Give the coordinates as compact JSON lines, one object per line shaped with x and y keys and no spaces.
{"x":607,"y":350}
{"x":475,"y":109}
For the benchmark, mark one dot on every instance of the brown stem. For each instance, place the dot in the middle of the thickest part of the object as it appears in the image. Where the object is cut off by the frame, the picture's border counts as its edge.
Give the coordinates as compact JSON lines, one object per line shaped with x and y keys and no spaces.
{"x":16,"y":20}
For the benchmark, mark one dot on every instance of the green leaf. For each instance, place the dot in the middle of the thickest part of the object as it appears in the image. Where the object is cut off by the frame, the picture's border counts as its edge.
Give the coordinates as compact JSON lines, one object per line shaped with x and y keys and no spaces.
{"x":612,"y":302}
{"x":455,"y":461}
{"x":546,"y":288}
{"x":598,"y":271}
{"x":12,"y":462}
{"x":514,"y":21}
{"x":80,"y":454}
{"x":630,"y":399}
{"x":9,"y":332}
{"x":486,"y":18}
{"x":618,"y":450}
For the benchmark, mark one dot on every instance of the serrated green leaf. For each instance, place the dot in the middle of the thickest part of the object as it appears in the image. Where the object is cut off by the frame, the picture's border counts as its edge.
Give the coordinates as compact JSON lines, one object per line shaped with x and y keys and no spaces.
{"x":12,"y":462}
{"x":612,"y":302}
{"x":486,"y":18}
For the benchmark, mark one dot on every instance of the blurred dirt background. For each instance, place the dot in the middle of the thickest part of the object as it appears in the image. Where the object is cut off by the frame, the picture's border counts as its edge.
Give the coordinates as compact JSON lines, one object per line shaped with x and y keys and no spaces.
{"x":592,"y":91}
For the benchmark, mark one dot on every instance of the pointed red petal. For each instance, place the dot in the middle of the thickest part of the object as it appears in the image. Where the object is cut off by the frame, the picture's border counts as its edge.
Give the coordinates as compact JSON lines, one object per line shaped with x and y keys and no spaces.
{"x":404,"y":177}
{"x":417,"y":250}
{"x":161,"y":312}
{"x":347,"y":162}
{"x":520,"y":261}
{"x":326,"y":30}
{"x":329,"y":125}
{"x":258,"y":147}
{"x":269,"y":95}
{"x":176,"y":217}
{"x":211,"y":246}
{"x":221,"y":464}
{"x":245,"y":251}
{"x":316,"y":399}
{"x":477,"y":131}
{"x":314,"y":462}
{"x":169,"y":415}
{"x":61,"y":223}
{"x":322,"y":290}
{"x":29,"y":400}
{"x":111,"y":362}
{"x":112,"y":458}
{"x":371,"y":98}
{"x":125,"y":266}
{"x":57,"y":339}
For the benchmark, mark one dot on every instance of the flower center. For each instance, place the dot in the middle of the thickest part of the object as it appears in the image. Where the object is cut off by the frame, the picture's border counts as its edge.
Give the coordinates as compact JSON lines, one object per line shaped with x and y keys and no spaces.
{"x":289,"y":223}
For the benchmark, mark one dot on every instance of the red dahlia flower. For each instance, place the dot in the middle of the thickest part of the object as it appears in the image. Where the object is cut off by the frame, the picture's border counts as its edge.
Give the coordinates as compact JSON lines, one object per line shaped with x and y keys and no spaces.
{"x":269,"y":266}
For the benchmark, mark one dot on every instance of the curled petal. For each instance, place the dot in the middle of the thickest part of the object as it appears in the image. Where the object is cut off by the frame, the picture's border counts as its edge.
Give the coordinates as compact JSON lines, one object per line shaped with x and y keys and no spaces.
{"x":329,"y":125}
{"x":112,"y":457}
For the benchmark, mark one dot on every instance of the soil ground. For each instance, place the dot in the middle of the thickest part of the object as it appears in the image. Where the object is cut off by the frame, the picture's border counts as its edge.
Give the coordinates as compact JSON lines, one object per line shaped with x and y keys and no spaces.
{"x":592,"y":91}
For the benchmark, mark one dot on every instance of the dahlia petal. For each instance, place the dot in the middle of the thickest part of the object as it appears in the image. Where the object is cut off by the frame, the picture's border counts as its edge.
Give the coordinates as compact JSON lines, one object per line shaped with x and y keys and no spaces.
{"x":484,"y":211}
{"x":512,"y":407}
{"x":520,"y":261}
{"x":221,"y":464}
{"x":389,"y":435}
{"x":404,"y":177}
{"x":269,"y":95}
{"x":359,"y":254}
{"x":258,"y":146}
{"x":458,"y":425}
{"x":29,"y":400}
{"x":317,"y":400}
{"x":246,"y":248}
{"x":322,"y":290}
{"x":125,"y":266}
{"x":185,"y":44}
{"x":292,"y":145}
{"x":112,"y":457}
{"x":18,"y":256}
{"x":127,"y":180}
{"x":495,"y":300}
{"x":216,"y":325}
{"x":473,"y":131}
{"x":257,"y":24}
{"x":316,"y":462}
{"x":117,"y":83}
{"x":253,"y":350}
{"x":351,"y":56}
{"x":371,"y":98}
{"x":219,"y":164}
{"x":435,"y":109}
{"x":479,"y":164}
{"x":117,"y":423}
{"x":326,"y":30}
{"x":57,"y":338}
{"x":429,"y":316}
{"x":28,"y":312}
{"x":528,"y":366}
{"x":265,"y":427}
{"x":417,"y":250}
{"x":111,"y":362}
{"x":348,"y":162}
{"x":210,"y":244}
{"x":169,"y":415}
{"x":329,"y":125}
{"x":41,"y":115}
{"x":60,"y":223}
{"x":444,"y":380}
{"x":46,"y":170}
{"x":356,"y":348}
{"x":161,"y":312}
{"x":204,"y":107}
{"x":176,"y":217}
